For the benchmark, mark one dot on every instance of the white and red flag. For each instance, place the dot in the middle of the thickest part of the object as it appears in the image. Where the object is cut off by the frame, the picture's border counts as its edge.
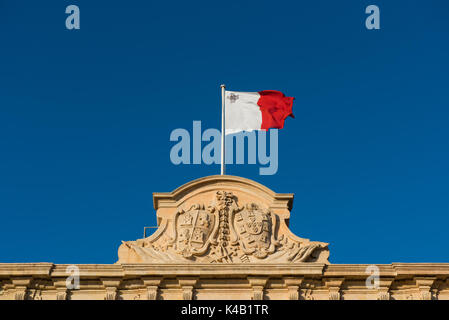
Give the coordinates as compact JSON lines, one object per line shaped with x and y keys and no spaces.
{"x":248,"y":111}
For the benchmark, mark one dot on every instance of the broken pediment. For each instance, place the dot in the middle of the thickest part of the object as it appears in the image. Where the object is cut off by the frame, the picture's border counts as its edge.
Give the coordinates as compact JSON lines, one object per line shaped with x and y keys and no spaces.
{"x":223,"y":219}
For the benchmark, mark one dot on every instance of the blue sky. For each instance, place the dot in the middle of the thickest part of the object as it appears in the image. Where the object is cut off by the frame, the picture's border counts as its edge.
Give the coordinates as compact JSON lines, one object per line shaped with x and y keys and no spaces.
{"x":86,"y":115}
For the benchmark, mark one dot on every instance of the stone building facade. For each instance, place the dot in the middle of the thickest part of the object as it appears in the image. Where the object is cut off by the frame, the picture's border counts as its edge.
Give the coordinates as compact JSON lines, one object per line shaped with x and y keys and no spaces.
{"x":224,"y":237}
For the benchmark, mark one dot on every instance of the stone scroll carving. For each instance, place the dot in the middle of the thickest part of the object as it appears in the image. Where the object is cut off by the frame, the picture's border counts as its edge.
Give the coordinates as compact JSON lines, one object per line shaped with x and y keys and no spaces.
{"x":222,"y":232}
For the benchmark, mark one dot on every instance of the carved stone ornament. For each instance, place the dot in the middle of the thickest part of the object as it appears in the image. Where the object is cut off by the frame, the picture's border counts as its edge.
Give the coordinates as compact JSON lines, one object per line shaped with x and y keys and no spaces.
{"x":223,"y":230}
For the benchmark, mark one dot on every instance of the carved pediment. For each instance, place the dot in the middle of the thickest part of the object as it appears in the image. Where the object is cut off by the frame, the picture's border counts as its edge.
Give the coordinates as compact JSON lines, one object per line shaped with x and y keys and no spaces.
{"x":223,"y":219}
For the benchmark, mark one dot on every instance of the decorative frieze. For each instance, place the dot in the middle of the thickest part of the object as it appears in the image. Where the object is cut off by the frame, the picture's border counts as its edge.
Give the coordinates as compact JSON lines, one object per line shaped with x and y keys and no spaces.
{"x":256,"y":281}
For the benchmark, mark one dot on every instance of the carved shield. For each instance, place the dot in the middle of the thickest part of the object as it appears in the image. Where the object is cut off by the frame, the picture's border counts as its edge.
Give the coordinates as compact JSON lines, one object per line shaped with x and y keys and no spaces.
{"x":193,"y":229}
{"x":254,"y":227}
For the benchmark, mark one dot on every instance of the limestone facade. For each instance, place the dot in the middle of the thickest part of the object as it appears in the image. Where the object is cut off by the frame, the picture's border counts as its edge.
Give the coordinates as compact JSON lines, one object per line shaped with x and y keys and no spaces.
{"x":224,"y":237}
{"x":305,"y":281}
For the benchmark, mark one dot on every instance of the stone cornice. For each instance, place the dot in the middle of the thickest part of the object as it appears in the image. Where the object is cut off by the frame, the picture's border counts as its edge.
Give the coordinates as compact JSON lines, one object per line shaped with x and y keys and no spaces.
{"x":26,"y":269}
{"x":225,"y":270}
{"x":421,"y":269}
{"x":313,"y":270}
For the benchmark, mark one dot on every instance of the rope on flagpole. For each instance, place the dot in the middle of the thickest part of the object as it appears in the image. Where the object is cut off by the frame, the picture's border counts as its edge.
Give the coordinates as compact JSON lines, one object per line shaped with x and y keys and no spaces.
{"x":223,"y":91}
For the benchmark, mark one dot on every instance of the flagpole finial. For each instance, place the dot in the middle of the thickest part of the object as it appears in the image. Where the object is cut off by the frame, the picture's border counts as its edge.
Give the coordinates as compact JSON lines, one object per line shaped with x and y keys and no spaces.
{"x":223,"y":86}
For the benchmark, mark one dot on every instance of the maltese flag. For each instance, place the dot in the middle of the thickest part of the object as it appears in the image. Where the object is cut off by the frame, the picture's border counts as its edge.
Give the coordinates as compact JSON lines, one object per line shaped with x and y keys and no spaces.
{"x":248,"y":111}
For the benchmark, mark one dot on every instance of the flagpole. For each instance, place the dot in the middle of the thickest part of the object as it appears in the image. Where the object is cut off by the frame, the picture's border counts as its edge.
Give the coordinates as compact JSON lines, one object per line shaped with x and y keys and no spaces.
{"x":223,"y":90}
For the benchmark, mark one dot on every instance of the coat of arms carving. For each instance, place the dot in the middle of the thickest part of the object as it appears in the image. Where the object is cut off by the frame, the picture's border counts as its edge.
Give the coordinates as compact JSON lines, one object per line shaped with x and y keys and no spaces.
{"x":254,"y":227}
{"x":222,"y":232}
{"x":192,"y":231}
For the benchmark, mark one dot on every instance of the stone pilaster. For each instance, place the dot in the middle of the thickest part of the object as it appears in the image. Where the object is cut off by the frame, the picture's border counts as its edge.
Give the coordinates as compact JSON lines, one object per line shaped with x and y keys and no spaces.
{"x":187,"y":285}
{"x":424,"y":285}
{"x":111,"y":286}
{"x":383,"y":291}
{"x":334,"y":285}
{"x":61,"y":288}
{"x":152,"y":285}
{"x":21,"y":285}
{"x":258,"y":286}
{"x":293,"y":287}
